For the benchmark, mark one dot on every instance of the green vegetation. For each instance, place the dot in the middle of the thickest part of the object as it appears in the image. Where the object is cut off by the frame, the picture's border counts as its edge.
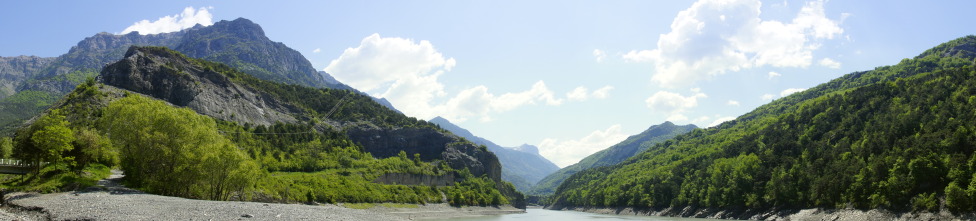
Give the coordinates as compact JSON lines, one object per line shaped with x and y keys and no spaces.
{"x":175,"y":151}
{"x":899,"y":137}
{"x":161,"y":146}
{"x":6,"y":147}
{"x":613,"y":155}
{"x":23,"y":105}
{"x":371,"y":205}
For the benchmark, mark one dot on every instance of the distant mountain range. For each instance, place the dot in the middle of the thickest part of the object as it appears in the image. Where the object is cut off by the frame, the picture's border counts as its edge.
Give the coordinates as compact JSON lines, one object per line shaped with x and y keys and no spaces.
{"x":31,"y":84}
{"x":521,"y":166}
{"x":613,"y":154}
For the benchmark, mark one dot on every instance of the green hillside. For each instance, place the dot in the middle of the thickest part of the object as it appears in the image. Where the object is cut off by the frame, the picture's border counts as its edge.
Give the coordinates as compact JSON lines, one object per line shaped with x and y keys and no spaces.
{"x":613,"y":154}
{"x":899,"y":137}
{"x":170,"y":150}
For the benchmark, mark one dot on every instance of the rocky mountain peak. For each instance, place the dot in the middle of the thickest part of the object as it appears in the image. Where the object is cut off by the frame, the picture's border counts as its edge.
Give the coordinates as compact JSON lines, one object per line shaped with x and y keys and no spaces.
{"x":168,"y":75}
{"x":528,"y":149}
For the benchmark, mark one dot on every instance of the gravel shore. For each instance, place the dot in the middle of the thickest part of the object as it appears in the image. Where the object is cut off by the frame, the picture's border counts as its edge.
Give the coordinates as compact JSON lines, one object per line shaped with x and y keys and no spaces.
{"x":109,"y":201}
{"x":801,"y":215}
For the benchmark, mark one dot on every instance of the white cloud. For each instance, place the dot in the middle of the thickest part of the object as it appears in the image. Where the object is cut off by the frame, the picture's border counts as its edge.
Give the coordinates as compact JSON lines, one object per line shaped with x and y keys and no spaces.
{"x":720,"y":121}
{"x":600,"y":55}
{"x":567,"y":152}
{"x":713,"y":37}
{"x":407,"y":72}
{"x":732,"y":103}
{"x":674,"y":104}
{"x":789,"y":91}
{"x":189,"y":18}
{"x":582,"y":93}
{"x":639,"y":56}
{"x":317,"y":50}
{"x":830,"y":63}
{"x":773,"y":74}
{"x":784,"y":93}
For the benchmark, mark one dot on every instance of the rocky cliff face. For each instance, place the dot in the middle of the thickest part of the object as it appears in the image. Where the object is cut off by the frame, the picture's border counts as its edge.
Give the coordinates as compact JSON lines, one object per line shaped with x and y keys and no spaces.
{"x":239,"y":43}
{"x":15,"y":70}
{"x":174,"y":79}
{"x":242,"y":44}
{"x":429,"y":143}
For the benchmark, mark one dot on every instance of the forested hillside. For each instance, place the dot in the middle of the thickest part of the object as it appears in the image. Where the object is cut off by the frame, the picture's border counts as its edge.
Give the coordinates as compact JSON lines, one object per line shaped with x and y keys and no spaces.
{"x":144,"y":120}
{"x":898,"y":137}
{"x":613,"y":155}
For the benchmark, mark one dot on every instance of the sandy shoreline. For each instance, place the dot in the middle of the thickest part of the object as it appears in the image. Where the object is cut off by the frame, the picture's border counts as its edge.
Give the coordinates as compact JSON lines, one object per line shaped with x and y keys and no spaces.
{"x":801,"y":215}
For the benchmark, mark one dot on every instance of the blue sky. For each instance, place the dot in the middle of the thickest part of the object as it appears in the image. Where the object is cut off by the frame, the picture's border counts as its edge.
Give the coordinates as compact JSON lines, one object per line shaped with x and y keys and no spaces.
{"x":572,"y":77}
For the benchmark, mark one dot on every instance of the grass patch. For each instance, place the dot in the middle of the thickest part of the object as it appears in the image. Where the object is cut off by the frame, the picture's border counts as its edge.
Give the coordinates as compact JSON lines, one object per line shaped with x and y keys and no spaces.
{"x":387,"y":205}
{"x":358,"y":205}
{"x":50,"y":180}
{"x":400,"y":205}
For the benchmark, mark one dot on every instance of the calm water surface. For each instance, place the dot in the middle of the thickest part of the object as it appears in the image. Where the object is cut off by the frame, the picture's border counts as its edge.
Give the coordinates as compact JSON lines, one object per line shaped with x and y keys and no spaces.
{"x":534,"y":214}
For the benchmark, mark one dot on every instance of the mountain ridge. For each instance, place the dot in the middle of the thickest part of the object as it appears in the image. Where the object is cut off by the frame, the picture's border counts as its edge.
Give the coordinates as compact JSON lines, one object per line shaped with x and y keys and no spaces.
{"x":893,"y":137}
{"x":523,"y":169}
{"x":239,"y":43}
{"x":613,"y":155}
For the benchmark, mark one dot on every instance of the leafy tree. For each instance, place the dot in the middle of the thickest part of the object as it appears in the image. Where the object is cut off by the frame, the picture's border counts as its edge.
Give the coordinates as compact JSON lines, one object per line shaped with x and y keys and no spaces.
{"x":162,"y":146}
{"x":6,"y":147}
{"x":54,"y":138}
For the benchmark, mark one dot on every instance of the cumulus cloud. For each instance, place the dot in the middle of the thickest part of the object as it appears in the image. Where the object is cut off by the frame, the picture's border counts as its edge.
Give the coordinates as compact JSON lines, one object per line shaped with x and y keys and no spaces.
{"x":600,"y":55}
{"x":189,"y":18}
{"x":732,"y":103}
{"x":582,"y":93}
{"x":713,"y":37}
{"x":830,"y":63}
{"x":674,"y":104}
{"x":784,"y":93}
{"x":773,"y":74}
{"x":789,"y":91}
{"x":720,"y":120}
{"x":567,"y":152}
{"x":407,"y":72}
{"x":317,"y":50}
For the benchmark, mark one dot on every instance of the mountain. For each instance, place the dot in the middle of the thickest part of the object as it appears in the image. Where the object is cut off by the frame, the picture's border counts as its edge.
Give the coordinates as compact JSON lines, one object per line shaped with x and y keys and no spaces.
{"x":275,"y":141}
{"x":897,"y":137}
{"x":240,"y":44}
{"x":521,"y":166}
{"x":613,"y":154}
{"x":16,"y":70}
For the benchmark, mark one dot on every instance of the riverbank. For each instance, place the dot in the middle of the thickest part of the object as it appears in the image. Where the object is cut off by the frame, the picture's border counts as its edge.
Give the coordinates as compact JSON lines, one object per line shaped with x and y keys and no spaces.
{"x":801,"y":215}
{"x":109,"y":200}
{"x":111,"y":205}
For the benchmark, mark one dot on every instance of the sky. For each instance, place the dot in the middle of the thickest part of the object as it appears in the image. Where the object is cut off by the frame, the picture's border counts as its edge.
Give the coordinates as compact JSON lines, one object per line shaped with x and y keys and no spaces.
{"x":572,"y":77}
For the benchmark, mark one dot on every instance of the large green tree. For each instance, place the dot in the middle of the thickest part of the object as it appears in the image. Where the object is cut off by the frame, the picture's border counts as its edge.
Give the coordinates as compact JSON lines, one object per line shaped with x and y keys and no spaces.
{"x":174,"y":151}
{"x":53,"y":138}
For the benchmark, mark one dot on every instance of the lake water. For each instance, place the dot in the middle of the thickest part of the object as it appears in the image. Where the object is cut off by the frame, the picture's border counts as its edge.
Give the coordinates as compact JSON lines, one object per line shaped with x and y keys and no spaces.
{"x":536,"y":214}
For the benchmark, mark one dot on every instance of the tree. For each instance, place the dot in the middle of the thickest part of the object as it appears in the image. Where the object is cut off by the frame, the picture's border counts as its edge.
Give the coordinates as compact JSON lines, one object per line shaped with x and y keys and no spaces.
{"x":54,"y":138}
{"x":6,"y":147}
{"x":94,"y":148}
{"x":175,"y":151}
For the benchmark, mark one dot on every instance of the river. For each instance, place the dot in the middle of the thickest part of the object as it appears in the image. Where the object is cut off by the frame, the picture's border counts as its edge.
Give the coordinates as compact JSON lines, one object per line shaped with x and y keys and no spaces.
{"x":537,"y":214}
